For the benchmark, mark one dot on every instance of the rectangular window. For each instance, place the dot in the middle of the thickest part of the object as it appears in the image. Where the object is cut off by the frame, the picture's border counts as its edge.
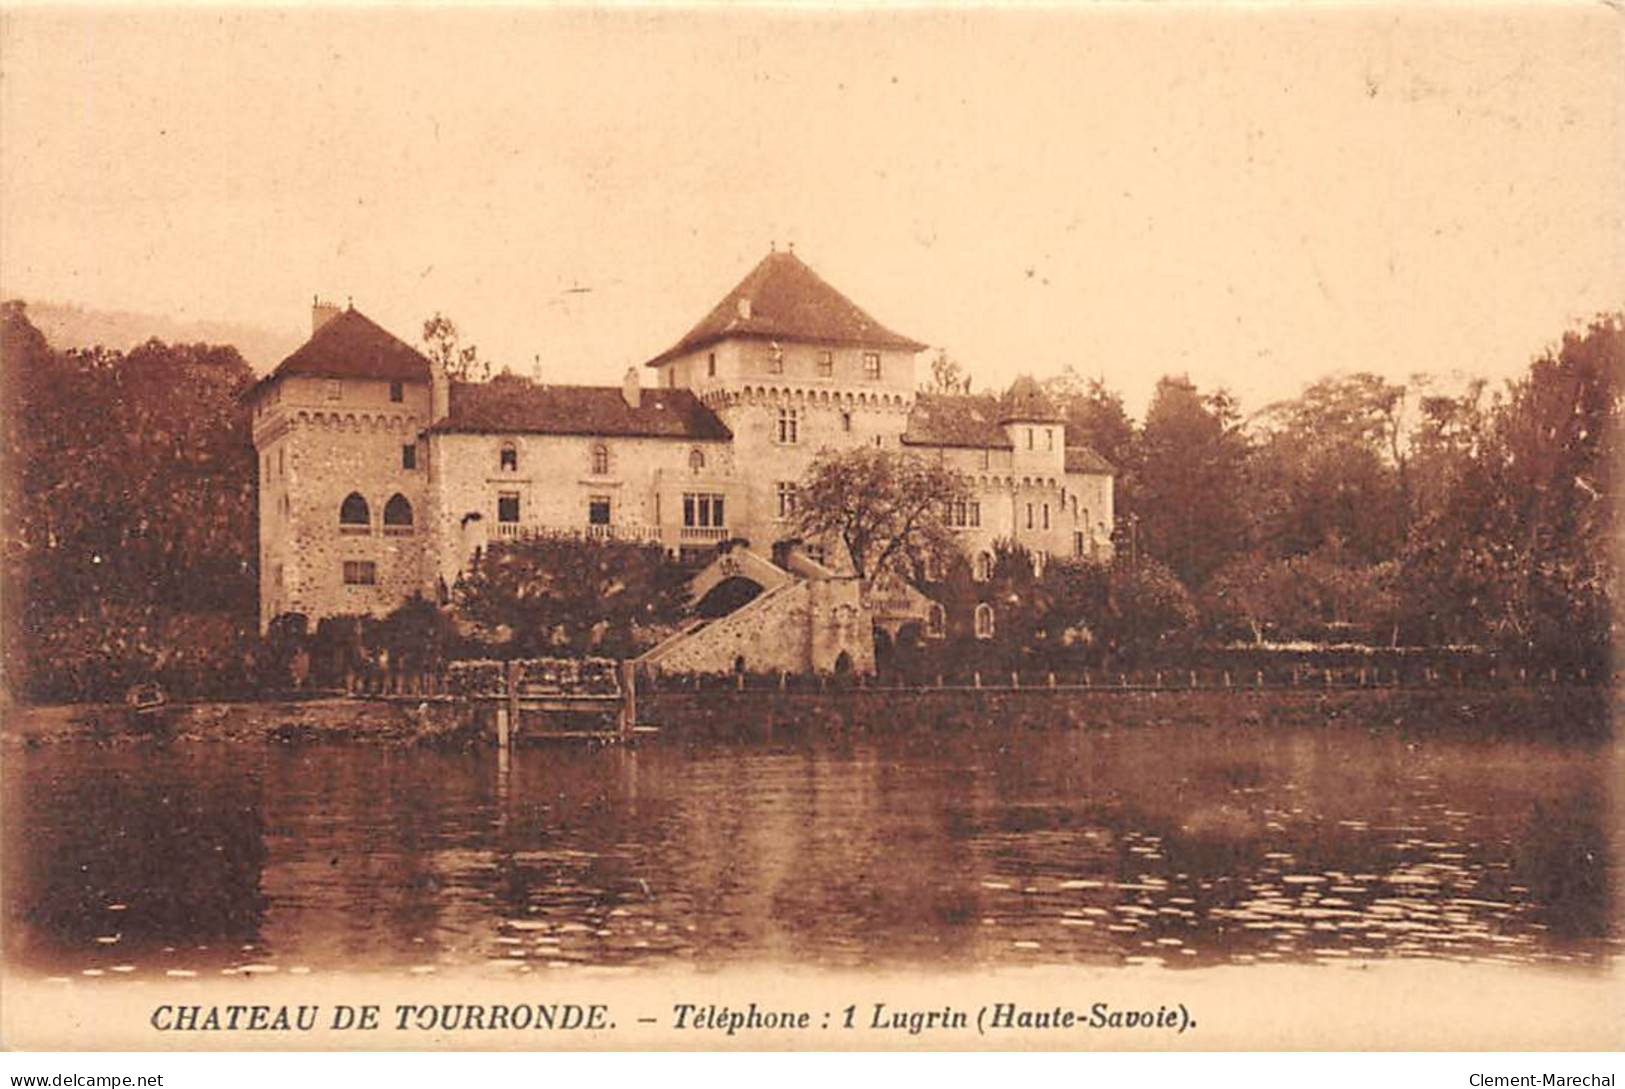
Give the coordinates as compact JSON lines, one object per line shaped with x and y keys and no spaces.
{"x":508,"y":508}
{"x":409,"y":456}
{"x":787,"y":499}
{"x":334,"y":389}
{"x":826,"y":364}
{"x":846,"y":421}
{"x":598,"y":510}
{"x":788,"y":427}
{"x":1079,"y":543}
{"x":360,"y":573}
{"x":1029,"y":516}
{"x":1049,"y":438}
{"x":397,"y":391}
{"x":871,"y":366}
{"x":775,"y":360}
{"x":711,"y":365}
{"x":1029,"y":438}
{"x":702,"y":511}
{"x":1046,"y":515}
{"x":964,"y":513}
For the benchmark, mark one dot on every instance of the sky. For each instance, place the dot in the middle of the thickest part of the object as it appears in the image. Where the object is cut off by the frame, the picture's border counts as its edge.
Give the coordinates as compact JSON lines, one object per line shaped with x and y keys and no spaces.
{"x":1253,"y":196}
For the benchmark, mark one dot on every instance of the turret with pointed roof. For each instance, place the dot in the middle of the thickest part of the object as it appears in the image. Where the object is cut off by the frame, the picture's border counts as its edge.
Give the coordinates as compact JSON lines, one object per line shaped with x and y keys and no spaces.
{"x":783,"y":299}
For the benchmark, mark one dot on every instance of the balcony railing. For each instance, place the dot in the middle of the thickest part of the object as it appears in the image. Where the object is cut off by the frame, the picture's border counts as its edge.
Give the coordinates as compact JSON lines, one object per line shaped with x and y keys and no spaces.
{"x":584,"y":532}
{"x":704,"y":533}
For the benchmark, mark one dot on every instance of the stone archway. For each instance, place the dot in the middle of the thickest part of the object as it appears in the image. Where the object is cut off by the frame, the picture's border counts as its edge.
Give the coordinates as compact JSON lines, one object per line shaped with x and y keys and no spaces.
{"x":726,"y":596}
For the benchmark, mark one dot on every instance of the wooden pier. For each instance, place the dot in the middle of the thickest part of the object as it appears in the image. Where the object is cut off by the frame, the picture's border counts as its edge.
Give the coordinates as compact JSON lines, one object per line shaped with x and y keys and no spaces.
{"x":618,"y":710}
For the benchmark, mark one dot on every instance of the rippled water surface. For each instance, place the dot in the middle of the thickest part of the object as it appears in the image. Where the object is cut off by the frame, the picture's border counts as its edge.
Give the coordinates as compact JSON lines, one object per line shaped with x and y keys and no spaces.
{"x":1187,"y":846}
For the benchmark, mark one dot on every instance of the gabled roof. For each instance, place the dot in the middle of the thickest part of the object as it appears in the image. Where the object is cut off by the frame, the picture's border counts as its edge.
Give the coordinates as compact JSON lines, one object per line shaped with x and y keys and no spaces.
{"x":510,"y":405}
{"x":954,"y":419}
{"x":352,"y":345}
{"x":781,"y":298}
{"x":1081,"y":459}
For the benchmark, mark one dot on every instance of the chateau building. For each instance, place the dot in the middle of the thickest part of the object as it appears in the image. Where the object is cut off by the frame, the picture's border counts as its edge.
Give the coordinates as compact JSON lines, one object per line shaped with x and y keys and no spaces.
{"x":379,"y":477}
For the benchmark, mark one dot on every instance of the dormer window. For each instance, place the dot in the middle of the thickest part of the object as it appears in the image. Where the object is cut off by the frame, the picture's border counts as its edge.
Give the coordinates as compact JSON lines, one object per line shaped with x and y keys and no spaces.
{"x":696,"y":459}
{"x":871,"y":366}
{"x":508,"y":459}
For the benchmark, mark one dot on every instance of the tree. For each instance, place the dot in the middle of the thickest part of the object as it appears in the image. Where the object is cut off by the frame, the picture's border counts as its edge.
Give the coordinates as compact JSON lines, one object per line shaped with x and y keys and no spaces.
{"x":130,"y":504}
{"x":1514,"y":540}
{"x":1190,"y":485}
{"x":947,"y":376}
{"x":1147,"y":607}
{"x":886,"y":507}
{"x":561,"y":594}
{"x":1332,"y":463}
{"x":444,"y":347}
{"x":1095,"y":416}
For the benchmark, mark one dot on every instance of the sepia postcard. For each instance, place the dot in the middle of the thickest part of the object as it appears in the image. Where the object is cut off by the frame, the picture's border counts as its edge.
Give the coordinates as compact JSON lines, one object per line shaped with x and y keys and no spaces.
{"x":822,"y":528}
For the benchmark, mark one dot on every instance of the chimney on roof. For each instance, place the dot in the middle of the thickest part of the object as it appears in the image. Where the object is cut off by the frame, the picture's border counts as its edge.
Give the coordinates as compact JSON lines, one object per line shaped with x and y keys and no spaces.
{"x":321,"y":313}
{"x":630,"y":389}
{"x":744,"y":309}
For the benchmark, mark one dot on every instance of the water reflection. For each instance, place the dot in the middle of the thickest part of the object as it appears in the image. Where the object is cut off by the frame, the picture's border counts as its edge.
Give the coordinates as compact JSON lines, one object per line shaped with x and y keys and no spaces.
{"x":1182,"y":846}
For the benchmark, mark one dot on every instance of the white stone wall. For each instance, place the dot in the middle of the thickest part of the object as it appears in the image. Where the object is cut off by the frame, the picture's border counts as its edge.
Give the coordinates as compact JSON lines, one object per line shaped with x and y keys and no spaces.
{"x":554,"y":479}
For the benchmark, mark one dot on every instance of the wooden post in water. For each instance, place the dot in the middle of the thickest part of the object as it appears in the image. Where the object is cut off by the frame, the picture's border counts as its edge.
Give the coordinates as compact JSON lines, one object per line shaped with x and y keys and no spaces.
{"x":508,"y":713}
{"x":1193,"y":678}
{"x":1052,"y":679}
{"x":976,"y":679}
{"x":629,"y":699}
{"x":1015,"y":680}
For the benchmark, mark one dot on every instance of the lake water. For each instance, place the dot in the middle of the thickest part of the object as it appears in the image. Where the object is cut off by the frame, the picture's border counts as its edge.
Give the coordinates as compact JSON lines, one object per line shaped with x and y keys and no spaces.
{"x":1185,"y":846}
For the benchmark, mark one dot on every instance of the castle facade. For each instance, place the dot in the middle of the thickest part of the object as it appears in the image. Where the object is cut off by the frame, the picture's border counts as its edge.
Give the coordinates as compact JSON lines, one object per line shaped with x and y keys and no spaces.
{"x":379,"y":477}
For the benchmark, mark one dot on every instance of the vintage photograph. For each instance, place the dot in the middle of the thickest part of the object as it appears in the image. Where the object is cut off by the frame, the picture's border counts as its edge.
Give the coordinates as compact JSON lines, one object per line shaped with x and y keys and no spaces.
{"x":1085,"y":527}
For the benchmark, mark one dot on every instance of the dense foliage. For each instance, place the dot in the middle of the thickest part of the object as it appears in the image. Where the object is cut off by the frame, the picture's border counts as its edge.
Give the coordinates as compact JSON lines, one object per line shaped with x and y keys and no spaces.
{"x":552,"y":595}
{"x":129,"y":502}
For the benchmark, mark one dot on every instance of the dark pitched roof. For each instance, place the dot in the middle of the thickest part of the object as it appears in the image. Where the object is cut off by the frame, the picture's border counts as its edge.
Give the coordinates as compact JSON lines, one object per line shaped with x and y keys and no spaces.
{"x":352,"y":345}
{"x":1026,"y":400}
{"x":515,"y":405}
{"x":1081,"y":459}
{"x":952,"y":419}
{"x":788,"y":301}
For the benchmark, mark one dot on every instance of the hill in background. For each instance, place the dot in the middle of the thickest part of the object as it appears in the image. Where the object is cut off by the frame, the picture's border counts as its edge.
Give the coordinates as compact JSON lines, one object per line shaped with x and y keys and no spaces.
{"x":68,"y":326}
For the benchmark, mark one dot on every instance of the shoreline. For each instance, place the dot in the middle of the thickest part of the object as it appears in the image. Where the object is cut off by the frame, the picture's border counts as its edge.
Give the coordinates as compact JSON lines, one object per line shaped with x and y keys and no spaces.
{"x":1573,"y":712}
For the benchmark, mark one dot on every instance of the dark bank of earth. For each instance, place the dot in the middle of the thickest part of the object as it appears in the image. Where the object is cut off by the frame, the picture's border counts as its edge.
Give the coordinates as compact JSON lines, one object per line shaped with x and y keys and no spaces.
{"x":1557,"y":711}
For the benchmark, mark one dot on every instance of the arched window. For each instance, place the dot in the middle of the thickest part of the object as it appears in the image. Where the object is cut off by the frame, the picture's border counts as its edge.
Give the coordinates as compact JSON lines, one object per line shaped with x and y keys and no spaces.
{"x":696,"y":459}
{"x":936,"y":621}
{"x":398,"y":511}
{"x":508,"y":460}
{"x":600,"y":459}
{"x":354,"y":512}
{"x":984,"y":621}
{"x":984,"y":566}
